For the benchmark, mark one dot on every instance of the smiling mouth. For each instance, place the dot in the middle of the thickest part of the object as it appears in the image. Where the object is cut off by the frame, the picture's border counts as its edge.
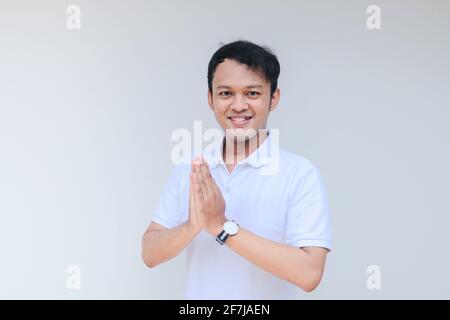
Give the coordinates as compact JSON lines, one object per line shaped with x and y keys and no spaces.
{"x":240,"y":121}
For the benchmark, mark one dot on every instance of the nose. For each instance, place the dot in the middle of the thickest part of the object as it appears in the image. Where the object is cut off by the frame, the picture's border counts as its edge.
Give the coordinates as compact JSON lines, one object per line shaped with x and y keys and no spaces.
{"x":239,"y":103}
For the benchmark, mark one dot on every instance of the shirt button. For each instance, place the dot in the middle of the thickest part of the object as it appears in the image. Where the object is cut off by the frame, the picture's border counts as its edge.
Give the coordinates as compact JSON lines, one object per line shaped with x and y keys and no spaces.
{"x":227,"y":189}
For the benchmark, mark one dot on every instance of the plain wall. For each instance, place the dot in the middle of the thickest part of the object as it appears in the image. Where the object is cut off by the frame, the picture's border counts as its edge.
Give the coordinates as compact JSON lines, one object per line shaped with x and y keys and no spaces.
{"x":86,"y":118}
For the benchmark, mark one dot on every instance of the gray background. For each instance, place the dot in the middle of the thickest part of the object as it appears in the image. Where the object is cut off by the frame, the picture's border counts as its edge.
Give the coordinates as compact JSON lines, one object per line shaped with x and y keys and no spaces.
{"x":86,"y":118}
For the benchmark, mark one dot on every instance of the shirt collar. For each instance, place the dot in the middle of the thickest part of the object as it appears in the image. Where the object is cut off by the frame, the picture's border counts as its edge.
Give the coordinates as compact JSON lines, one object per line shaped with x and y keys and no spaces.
{"x":259,"y":157}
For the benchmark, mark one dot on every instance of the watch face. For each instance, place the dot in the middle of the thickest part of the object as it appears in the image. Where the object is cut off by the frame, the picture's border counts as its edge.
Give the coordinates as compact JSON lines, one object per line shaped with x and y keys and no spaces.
{"x":230,"y":227}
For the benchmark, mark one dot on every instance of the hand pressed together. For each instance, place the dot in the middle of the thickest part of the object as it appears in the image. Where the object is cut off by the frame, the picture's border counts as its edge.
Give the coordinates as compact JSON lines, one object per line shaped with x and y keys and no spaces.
{"x":206,"y":203}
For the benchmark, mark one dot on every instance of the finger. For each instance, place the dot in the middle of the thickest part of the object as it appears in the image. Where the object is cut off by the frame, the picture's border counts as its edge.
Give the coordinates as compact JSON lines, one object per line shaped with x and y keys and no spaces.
{"x":197,"y":189}
{"x":206,"y":171}
{"x":194,"y":164}
{"x":209,"y":181}
{"x":201,"y":182}
{"x":197,"y":160}
{"x":201,"y":179}
{"x":191,"y":191}
{"x":192,"y":202}
{"x":191,"y":179}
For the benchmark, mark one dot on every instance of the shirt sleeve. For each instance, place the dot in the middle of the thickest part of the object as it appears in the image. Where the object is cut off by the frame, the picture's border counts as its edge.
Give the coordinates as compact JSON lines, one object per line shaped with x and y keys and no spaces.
{"x":308,"y":221}
{"x":169,"y":212}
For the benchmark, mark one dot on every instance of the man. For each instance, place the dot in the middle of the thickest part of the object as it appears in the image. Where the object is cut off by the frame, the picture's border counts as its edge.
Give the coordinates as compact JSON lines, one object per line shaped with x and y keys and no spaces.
{"x":248,"y":235}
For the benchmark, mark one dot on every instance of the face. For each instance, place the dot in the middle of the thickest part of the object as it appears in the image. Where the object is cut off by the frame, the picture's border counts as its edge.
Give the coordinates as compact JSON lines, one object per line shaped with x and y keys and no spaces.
{"x":241,"y":99}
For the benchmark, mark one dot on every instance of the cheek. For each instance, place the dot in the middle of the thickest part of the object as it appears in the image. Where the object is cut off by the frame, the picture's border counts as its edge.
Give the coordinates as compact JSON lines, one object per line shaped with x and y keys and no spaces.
{"x":220,"y":107}
{"x":261,"y":107}
{"x":220,"y":113}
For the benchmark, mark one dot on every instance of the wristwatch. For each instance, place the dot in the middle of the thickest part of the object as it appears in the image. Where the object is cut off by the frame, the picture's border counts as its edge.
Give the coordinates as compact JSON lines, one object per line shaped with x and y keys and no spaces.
{"x":230,"y":228}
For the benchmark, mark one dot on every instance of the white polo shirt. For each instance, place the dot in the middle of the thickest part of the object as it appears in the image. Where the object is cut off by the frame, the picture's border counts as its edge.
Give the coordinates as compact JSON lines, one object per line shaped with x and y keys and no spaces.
{"x":286,"y":205}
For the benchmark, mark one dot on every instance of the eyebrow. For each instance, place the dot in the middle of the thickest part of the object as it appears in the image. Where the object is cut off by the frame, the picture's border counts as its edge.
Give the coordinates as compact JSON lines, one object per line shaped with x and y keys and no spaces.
{"x":248,"y":87}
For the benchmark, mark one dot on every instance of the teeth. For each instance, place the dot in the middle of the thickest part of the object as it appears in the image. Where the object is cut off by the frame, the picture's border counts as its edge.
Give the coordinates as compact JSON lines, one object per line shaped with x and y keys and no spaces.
{"x":240,"y":119}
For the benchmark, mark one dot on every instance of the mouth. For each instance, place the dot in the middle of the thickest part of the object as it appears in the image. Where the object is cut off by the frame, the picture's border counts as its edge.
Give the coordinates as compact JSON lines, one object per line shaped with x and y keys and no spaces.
{"x":240,"y":121}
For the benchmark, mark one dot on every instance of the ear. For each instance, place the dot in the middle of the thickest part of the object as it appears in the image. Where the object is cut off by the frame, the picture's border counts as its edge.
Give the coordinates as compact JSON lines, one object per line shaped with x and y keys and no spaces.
{"x":275,"y":99}
{"x":210,"y":100}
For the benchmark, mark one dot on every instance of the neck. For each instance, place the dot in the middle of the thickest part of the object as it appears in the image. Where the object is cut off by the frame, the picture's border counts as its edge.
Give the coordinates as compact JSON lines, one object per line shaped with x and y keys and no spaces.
{"x":235,"y":151}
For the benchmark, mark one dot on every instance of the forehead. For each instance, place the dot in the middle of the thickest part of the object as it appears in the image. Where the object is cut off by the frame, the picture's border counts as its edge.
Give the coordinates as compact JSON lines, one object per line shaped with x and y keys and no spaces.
{"x":234,"y":74}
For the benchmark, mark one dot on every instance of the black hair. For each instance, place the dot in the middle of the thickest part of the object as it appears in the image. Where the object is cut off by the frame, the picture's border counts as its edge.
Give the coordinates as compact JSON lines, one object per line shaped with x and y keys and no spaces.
{"x":257,"y":58}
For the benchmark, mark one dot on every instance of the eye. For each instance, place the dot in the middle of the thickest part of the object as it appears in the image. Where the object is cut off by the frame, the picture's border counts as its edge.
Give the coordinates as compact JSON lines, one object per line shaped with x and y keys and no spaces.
{"x":224,"y":93}
{"x":254,"y":93}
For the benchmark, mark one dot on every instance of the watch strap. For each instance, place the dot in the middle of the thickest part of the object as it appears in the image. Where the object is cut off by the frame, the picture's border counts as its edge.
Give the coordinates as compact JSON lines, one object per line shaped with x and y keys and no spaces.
{"x":222,"y":237}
